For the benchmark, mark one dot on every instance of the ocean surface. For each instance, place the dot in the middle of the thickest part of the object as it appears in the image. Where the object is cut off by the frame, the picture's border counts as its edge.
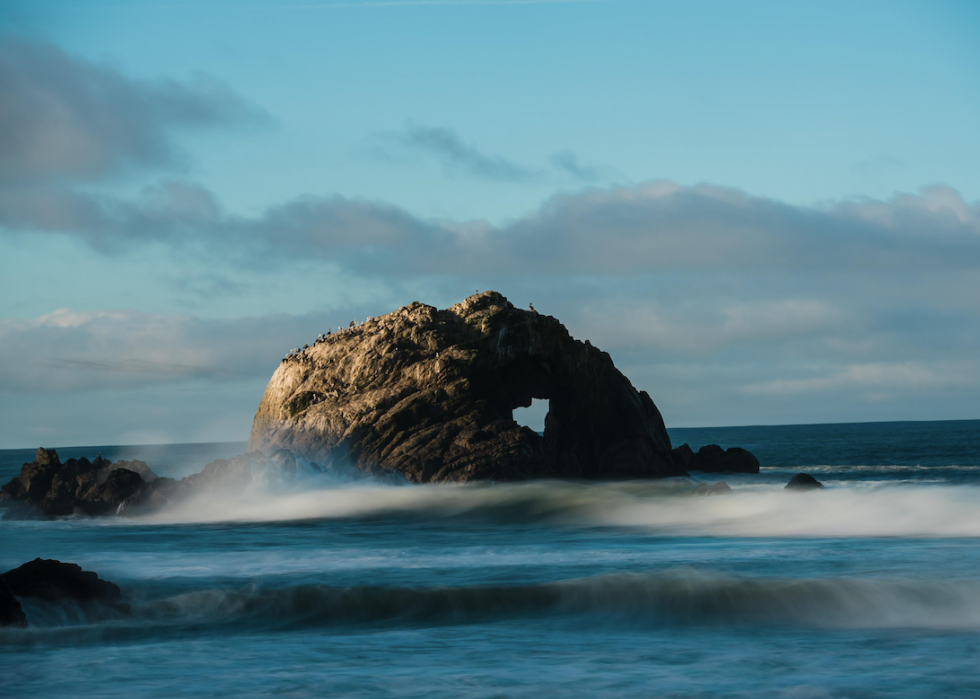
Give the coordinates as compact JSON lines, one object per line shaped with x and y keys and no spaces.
{"x":313,"y":588}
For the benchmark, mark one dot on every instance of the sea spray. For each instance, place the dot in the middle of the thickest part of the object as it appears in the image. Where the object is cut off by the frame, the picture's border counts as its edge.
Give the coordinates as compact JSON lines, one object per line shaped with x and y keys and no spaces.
{"x":660,"y":506}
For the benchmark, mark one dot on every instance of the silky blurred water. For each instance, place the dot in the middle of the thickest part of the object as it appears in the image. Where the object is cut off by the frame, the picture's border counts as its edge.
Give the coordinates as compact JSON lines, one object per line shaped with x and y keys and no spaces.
{"x":868,"y":588}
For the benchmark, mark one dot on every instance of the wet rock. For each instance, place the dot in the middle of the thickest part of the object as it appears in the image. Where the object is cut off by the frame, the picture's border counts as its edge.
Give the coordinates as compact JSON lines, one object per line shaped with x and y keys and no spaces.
{"x":713,"y":459}
{"x":719,"y":488}
{"x":48,"y":488}
{"x":59,"y":583}
{"x":120,"y":485}
{"x":683,"y":457}
{"x":11,"y":613}
{"x":429,"y":394}
{"x":803,"y":481}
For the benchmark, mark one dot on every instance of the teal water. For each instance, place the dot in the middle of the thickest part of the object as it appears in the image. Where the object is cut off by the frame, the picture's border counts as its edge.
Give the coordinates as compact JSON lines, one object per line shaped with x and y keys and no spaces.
{"x":870,"y":588}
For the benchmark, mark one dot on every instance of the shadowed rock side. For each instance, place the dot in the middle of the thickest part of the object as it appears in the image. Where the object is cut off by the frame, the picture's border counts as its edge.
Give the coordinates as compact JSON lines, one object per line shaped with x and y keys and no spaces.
{"x":57,"y":583}
{"x":430,"y":394}
{"x":48,"y":488}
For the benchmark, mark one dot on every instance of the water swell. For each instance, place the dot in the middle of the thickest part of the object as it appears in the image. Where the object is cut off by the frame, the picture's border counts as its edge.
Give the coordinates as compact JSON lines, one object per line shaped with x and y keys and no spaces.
{"x":677,"y":597}
{"x":681,"y":597}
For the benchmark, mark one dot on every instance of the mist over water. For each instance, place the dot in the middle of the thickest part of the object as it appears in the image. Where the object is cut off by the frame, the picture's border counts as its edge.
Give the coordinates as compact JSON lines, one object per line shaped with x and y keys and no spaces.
{"x":309,"y":585}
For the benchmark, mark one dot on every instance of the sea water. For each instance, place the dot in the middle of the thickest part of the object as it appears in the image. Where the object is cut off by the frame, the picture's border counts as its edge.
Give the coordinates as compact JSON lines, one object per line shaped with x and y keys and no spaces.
{"x":867,"y":588}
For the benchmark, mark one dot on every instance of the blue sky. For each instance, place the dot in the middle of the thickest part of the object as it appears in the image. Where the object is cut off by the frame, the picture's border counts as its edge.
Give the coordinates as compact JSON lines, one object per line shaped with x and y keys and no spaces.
{"x":767,"y":212}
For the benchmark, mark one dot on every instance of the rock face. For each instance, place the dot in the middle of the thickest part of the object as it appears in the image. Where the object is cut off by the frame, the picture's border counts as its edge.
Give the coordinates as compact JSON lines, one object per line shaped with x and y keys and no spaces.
{"x":48,"y":488}
{"x":11,"y":613}
{"x":56,"y":582}
{"x":803,"y":481}
{"x":713,"y":459}
{"x":430,"y":394}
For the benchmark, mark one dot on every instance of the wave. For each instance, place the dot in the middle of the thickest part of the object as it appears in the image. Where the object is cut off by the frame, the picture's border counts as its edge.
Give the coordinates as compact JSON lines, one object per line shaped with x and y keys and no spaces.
{"x":664,"y":507}
{"x":680,"y":597}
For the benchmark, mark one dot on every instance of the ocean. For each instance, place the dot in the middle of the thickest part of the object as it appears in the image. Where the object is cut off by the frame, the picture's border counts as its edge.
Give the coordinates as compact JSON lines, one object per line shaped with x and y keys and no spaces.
{"x":867,"y":588}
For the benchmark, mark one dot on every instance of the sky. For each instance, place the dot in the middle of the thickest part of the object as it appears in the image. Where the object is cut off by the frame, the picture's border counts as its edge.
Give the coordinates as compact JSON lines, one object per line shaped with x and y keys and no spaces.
{"x":766,"y":212}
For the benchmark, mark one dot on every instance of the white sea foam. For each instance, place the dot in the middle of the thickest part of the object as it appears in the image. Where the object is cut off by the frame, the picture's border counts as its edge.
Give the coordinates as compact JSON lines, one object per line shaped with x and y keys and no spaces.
{"x":854,"y":511}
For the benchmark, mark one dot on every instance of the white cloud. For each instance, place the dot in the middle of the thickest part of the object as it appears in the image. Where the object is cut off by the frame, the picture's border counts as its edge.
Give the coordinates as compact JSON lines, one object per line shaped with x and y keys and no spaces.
{"x":876,"y":376}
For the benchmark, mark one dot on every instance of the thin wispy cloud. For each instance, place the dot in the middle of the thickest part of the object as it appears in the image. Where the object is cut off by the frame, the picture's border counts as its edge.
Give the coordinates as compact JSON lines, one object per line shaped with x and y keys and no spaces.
{"x":456,"y":155}
{"x":568,"y":163}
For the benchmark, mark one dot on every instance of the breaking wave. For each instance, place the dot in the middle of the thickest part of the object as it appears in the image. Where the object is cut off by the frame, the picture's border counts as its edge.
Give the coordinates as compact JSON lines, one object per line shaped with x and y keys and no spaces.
{"x":680,"y":597}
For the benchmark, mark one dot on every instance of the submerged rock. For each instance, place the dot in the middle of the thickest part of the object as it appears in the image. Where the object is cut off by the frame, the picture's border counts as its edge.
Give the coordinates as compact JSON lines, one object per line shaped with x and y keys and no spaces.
{"x":803,"y":481}
{"x":430,"y":395}
{"x":719,"y":488}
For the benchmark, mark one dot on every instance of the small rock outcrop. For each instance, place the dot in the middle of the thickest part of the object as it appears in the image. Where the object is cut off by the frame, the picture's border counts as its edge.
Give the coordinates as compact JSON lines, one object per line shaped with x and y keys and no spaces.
{"x":48,"y":488}
{"x":713,"y":459}
{"x":430,"y":394}
{"x":56,"y":583}
{"x":803,"y":481}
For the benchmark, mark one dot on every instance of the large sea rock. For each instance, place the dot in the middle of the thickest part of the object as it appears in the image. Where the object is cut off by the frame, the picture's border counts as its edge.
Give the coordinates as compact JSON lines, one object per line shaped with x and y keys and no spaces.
{"x":430,"y":394}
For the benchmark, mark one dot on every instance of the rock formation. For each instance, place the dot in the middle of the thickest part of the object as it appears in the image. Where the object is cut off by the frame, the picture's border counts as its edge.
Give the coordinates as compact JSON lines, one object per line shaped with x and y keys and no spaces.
{"x":48,"y":488}
{"x":430,"y":394}
{"x":713,"y":459}
{"x":803,"y":481}
{"x":11,"y":613}
{"x":56,"y":583}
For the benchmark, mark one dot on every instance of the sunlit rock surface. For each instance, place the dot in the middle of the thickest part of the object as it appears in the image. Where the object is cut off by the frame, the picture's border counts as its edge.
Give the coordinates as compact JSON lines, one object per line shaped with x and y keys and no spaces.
{"x":430,"y":394}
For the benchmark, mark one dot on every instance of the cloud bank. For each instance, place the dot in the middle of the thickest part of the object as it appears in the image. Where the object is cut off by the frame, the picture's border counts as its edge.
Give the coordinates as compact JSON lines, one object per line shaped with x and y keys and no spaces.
{"x":657,"y":226}
{"x":65,"y":117}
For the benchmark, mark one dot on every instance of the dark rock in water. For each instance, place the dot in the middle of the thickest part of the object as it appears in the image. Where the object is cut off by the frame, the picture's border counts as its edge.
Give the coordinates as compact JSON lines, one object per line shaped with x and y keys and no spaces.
{"x":57,"y":582}
{"x":803,"y":481}
{"x":683,"y":457}
{"x":430,"y":394}
{"x":120,"y":485}
{"x":11,"y":613}
{"x":713,"y":459}
{"x":719,"y":488}
{"x":48,"y":488}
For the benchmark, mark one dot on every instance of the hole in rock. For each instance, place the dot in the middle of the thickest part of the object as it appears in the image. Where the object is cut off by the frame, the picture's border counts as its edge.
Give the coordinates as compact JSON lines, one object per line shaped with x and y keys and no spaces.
{"x":534,"y":415}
